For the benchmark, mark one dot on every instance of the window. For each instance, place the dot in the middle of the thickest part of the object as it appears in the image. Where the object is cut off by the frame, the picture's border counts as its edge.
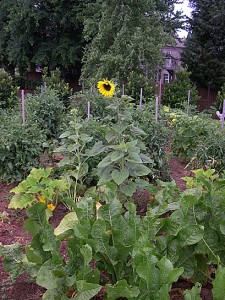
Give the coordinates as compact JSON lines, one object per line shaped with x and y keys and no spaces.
{"x":166,"y":78}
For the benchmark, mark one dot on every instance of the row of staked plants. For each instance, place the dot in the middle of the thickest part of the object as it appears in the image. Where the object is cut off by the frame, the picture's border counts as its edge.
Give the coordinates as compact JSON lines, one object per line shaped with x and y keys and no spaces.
{"x":198,"y":140}
{"x":111,"y":251}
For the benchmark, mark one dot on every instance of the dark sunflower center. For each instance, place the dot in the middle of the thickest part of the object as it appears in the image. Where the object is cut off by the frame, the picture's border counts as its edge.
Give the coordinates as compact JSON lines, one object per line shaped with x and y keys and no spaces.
{"x":107,"y":86}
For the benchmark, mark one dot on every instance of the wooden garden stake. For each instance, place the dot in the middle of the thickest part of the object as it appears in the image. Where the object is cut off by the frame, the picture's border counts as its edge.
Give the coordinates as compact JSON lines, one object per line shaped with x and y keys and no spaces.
{"x":89,"y":110}
{"x":160,"y":90}
{"x":23,"y":107}
{"x":156,"y":108}
{"x":123,"y":90}
{"x":223,"y":113}
{"x":141,"y":99}
{"x":189,"y":97}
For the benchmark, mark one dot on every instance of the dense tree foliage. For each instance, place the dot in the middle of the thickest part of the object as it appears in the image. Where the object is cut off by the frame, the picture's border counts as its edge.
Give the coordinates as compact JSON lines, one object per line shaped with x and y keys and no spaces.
{"x":44,"y":32}
{"x":122,"y":35}
{"x":205,"y":47}
{"x":126,"y":36}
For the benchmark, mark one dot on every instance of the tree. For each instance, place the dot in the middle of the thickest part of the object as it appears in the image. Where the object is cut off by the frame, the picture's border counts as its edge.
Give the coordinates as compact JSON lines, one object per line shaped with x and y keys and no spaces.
{"x":205,"y":46}
{"x":125,"y":36}
{"x":4,"y":36}
{"x":45,"y":32}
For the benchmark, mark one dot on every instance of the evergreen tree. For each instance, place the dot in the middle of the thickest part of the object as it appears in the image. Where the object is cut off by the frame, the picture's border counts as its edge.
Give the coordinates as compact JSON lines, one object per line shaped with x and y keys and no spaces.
{"x":125,"y":36}
{"x":205,"y":46}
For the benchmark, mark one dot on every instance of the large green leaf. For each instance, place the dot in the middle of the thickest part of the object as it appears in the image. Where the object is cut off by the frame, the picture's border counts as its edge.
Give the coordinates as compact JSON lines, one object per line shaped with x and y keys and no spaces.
{"x":190,"y":235}
{"x":66,"y":223}
{"x":137,"y":169}
{"x":111,"y":212}
{"x":87,"y":290}
{"x":128,"y":188}
{"x":134,"y":157}
{"x":168,"y":274}
{"x":50,"y":277}
{"x":105,"y":162}
{"x":13,"y":257}
{"x":219,"y":284}
{"x":121,"y":289}
{"x":97,"y":149}
{"x":21,"y":201}
{"x":86,"y":251}
{"x":120,"y":176}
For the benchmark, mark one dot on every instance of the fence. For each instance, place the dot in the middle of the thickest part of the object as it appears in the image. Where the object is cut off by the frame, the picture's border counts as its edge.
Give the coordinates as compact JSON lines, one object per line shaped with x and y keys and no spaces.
{"x":207,"y":98}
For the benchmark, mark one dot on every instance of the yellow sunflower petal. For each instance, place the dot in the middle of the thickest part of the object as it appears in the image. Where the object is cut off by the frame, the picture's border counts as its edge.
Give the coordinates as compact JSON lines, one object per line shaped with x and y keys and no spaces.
{"x":106,"y":88}
{"x":51,"y":206}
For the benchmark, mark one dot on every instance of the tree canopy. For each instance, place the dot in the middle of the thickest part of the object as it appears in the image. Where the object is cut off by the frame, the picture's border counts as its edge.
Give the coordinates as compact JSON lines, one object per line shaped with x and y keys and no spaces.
{"x":121,"y":35}
{"x":205,"y":46}
{"x":125,"y":36}
{"x":44,"y":32}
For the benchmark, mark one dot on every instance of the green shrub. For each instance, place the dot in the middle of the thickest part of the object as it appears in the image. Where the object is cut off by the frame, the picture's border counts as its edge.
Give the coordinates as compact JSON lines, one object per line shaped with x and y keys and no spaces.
{"x":46,"y":111}
{"x":220,"y":98}
{"x":210,"y":151}
{"x":189,"y":132}
{"x":20,"y":146}
{"x":55,"y":82}
{"x":134,"y":84}
{"x":156,"y":139}
{"x":8,"y":91}
{"x":98,"y":104}
{"x":176,"y":93}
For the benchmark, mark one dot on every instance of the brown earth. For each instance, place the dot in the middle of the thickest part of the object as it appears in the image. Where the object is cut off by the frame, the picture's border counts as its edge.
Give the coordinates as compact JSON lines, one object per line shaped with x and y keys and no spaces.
{"x":11,"y":231}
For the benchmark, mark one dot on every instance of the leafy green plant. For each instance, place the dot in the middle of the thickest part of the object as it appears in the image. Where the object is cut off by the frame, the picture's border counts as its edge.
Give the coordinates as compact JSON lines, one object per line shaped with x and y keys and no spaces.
{"x":47,"y":111}
{"x":103,"y":240}
{"x":220,"y":98}
{"x":134,"y":84}
{"x":20,"y":146}
{"x":189,"y":132}
{"x":38,"y":186}
{"x":126,"y":158}
{"x":176,"y":93}
{"x":8,"y":91}
{"x":156,"y":139}
{"x":74,"y":145}
{"x":55,"y":82}
{"x":195,"y":230}
{"x":210,"y":151}
{"x":98,"y":104}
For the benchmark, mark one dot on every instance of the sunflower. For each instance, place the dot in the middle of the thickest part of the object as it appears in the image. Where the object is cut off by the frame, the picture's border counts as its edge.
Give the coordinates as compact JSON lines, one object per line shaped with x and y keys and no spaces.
{"x":106,"y":88}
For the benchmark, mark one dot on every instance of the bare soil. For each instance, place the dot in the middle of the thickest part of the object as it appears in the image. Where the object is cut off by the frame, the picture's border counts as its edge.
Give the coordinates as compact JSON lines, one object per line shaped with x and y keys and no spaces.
{"x":11,"y":231}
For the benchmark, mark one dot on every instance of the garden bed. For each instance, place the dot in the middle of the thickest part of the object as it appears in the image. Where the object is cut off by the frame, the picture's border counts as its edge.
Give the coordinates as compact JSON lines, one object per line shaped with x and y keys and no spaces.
{"x":11,"y":231}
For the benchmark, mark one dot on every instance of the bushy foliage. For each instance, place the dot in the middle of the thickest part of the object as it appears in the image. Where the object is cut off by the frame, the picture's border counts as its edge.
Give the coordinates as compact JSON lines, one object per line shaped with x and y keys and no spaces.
{"x":156,"y":138}
{"x":220,"y":98}
{"x":98,"y":104}
{"x":102,"y":236}
{"x":135,"y":82}
{"x":47,"y":111}
{"x":20,"y":146}
{"x":198,"y":140}
{"x":210,"y":151}
{"x":8,"y":91}
{"x":176,"y":93}
{"x":55,"y":82}
{"x":189,"y":132}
